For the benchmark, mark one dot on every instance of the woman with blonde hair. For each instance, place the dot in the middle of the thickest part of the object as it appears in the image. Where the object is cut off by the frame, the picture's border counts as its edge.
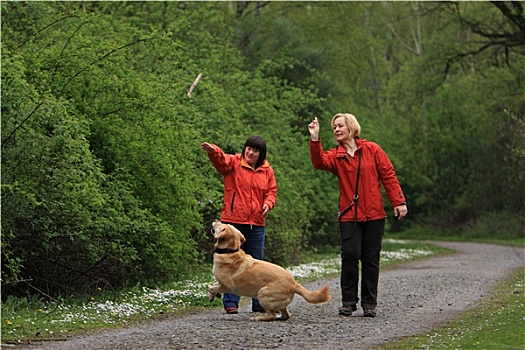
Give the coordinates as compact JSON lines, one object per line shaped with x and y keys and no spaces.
{"x":361,"y":167}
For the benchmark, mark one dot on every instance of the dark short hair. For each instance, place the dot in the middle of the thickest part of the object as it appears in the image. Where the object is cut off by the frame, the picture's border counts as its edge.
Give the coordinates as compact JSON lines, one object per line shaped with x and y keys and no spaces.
{"x":256,"y":142}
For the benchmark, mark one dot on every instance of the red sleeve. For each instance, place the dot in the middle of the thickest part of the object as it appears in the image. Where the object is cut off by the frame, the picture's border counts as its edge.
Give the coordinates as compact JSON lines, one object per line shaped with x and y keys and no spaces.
{"x":224,"y":163}
{"x":320,"y":159}
{"x":389,"y":178}
{"x":271,"y":194}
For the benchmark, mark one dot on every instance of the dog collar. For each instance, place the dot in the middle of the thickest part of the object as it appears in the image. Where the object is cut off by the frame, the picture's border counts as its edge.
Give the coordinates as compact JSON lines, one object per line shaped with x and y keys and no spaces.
{"x":225,"y":250}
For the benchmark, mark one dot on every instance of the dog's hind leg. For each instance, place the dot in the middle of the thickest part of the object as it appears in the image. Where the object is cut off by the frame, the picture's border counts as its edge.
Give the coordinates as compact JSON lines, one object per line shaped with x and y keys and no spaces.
{"x":285,"y":314}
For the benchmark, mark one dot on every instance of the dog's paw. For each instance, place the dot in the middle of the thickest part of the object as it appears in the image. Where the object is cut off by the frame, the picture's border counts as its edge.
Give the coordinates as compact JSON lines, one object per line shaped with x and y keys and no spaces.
{"x":213,"y":296}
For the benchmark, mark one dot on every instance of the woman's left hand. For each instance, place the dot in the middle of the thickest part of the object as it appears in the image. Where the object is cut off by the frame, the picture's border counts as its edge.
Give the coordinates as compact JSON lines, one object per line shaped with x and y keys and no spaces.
{"x":400,"y":211}
{"x":266,"y":210}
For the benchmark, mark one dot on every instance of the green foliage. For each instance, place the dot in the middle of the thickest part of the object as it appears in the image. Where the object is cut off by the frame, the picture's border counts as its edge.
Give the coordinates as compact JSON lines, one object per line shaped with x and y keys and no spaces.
{"x":65,"y":224}
{"x":505,"y":226}
{"x":96,"y":189}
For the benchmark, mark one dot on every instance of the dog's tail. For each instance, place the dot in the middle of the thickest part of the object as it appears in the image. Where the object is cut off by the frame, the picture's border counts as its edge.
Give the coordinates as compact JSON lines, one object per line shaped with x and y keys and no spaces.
{"x":317,"y":297}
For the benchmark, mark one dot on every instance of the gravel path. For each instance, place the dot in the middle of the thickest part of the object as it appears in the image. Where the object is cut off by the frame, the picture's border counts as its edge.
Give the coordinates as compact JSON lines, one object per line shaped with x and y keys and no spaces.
{"x":413,"y":298}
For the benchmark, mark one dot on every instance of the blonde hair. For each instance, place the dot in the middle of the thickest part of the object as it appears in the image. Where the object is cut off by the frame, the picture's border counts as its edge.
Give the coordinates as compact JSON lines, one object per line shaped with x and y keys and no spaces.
{"x":350,"y":121}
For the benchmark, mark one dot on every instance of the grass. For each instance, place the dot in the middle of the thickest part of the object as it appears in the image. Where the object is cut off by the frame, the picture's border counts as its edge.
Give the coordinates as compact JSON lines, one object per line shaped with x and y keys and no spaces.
{"x":498,"y":322}
{"x":25,"y":319}
{"x":513,"y":235}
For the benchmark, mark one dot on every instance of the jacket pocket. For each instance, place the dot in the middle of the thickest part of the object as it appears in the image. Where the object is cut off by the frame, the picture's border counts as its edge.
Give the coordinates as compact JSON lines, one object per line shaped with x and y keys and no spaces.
{"x":233,"y":201}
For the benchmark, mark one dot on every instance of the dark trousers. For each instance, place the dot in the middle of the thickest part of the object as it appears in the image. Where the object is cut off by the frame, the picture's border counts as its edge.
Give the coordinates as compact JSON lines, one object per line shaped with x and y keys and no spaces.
{"x":361,"y":242}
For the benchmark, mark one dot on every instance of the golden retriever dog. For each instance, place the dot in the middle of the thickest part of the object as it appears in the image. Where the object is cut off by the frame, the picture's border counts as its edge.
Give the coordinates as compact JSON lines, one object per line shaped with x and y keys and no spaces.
{"x":239,"y":273}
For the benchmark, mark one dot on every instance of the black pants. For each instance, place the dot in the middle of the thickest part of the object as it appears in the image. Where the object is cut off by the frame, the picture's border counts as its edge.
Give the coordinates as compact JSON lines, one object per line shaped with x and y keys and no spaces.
{"x":360,"y":243}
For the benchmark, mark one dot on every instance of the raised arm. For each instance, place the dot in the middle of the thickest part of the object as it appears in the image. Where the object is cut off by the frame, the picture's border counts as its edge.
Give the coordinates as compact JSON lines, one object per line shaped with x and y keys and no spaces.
{"x":313,"y":128}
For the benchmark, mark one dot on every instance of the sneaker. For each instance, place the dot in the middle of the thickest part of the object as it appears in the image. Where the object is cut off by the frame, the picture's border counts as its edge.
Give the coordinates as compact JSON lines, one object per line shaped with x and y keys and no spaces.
{"x":347,"y":310}
{"x":232,"y":310}
{"x":261,"y":310}
{"x":370,"y":312}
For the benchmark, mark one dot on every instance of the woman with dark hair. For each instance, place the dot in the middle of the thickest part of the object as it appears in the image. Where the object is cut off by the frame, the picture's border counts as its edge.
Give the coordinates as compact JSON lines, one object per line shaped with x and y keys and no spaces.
{"x":250,"y":192}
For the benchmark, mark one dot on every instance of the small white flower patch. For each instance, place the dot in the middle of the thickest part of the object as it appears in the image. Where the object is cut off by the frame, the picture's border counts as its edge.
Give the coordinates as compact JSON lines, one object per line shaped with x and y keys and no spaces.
{"x":332,"y":265}
{"x":403,"y":254}
{"x":315,"y":269}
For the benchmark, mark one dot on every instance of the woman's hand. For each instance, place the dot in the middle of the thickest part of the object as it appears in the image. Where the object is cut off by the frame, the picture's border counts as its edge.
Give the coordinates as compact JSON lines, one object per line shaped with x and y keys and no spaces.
{"x":313,"y":128}
{"x":208,"y":147}
{"x":266,"y":210}
{"x":400,"y":211}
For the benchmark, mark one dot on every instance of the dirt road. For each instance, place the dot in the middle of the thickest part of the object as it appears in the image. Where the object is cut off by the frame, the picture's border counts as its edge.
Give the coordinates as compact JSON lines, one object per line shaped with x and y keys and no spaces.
{"x":413,"y":298}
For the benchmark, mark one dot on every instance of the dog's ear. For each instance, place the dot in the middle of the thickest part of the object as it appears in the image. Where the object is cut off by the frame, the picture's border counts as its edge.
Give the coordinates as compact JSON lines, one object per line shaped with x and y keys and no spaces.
{"x":239,"y":234}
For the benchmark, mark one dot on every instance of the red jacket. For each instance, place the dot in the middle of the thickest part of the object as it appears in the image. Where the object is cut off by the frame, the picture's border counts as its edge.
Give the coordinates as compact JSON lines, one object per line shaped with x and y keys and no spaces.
{"x":375,"y":168}
{"x":245,"y":190}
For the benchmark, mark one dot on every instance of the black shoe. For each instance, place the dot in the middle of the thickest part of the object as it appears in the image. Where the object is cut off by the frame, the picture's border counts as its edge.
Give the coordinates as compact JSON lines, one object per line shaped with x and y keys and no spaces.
{"x":370,"y":312}
{"x":262,"y":311}
{"x":347,"y":310}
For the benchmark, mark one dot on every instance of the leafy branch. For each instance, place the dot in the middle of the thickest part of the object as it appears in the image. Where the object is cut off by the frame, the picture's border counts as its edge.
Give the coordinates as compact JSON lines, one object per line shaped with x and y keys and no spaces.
{"x":20,"y":125}
{"x":102,"y":58}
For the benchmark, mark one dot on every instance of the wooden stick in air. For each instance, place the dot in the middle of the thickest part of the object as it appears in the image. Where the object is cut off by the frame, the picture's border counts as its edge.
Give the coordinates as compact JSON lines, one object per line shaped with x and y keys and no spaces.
{"x":194,"y":84}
